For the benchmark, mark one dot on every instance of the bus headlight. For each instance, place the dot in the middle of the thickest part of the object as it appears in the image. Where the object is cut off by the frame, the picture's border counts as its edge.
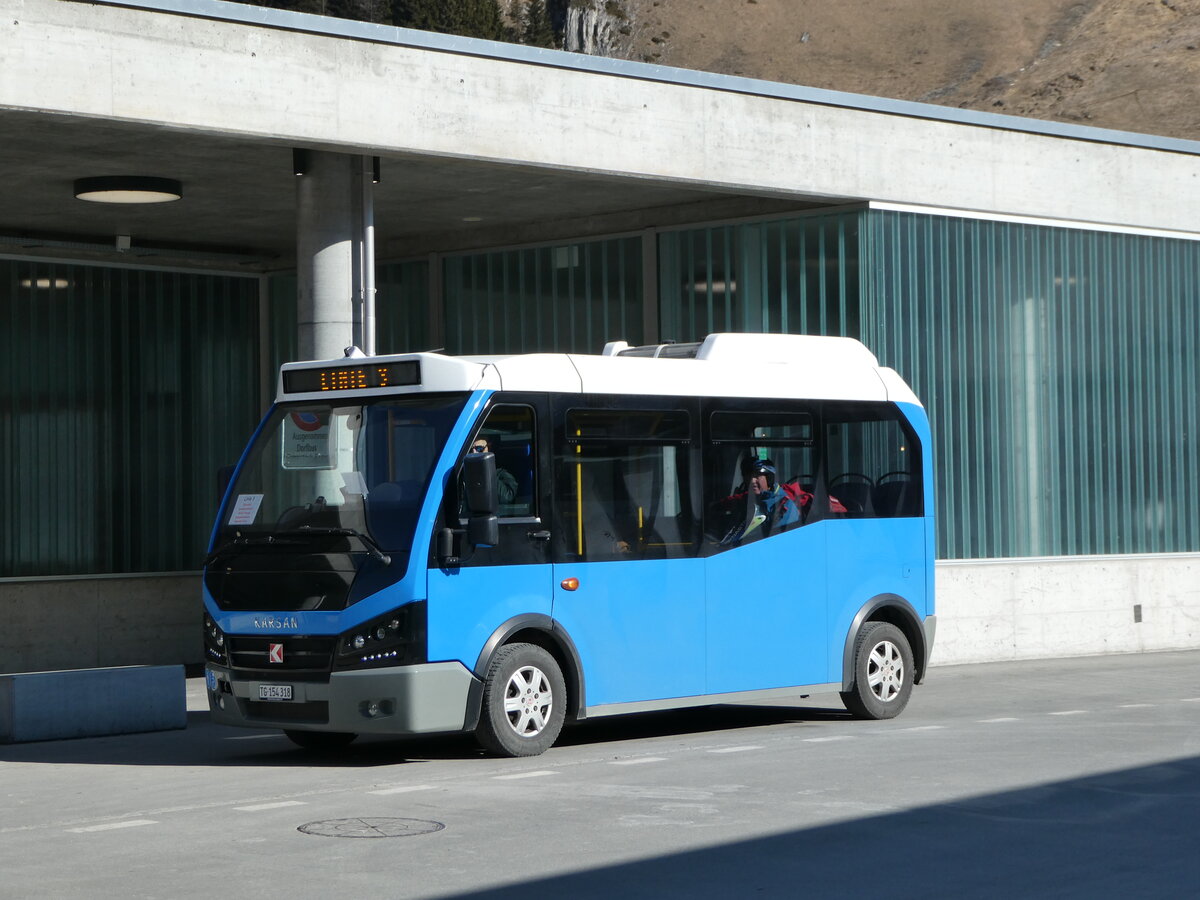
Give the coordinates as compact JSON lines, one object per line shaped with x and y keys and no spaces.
{"x":214,"y":641}
{"x":395,"y":640}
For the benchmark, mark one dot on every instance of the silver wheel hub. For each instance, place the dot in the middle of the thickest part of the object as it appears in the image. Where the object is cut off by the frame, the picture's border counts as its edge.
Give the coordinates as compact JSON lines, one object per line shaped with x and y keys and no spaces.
{"x":885,"y":671}
{"x":528,"y":701}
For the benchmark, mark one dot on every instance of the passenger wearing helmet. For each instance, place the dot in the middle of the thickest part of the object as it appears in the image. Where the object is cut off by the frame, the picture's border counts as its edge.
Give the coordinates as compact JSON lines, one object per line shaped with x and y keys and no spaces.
{"x":772,"y":506}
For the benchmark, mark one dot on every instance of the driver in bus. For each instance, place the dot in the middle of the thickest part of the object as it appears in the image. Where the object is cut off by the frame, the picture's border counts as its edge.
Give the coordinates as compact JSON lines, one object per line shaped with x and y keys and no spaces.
{"x":776,"y":506}
{"x":506,"y":483}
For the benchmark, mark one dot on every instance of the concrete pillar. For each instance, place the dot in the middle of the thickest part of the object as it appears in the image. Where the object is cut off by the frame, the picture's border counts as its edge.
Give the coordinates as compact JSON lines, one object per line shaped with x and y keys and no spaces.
{"x":334,"y":254}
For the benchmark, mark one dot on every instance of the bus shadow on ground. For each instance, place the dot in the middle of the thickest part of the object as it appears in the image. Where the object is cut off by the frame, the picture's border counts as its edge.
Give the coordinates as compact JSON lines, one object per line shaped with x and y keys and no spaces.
{"x":694,"y":720}
{"x":206,"y":744}
{"x":1129,"y":833}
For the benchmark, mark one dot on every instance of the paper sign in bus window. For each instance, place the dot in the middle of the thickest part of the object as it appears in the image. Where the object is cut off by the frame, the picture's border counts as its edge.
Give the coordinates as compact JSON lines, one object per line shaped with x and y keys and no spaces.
{"x":308,"y":441}
{"x":245,"y":509}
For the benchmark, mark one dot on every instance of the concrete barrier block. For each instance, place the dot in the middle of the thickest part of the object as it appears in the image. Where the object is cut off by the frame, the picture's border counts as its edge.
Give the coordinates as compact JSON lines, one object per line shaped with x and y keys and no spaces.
{"x":43,"y":706}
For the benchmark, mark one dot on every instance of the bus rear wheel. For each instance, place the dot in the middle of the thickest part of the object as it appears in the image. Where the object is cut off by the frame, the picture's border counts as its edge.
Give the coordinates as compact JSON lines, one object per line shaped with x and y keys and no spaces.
{"x":524,"y":702}
{"x":320,"y":740}
{"x":883,"y":673}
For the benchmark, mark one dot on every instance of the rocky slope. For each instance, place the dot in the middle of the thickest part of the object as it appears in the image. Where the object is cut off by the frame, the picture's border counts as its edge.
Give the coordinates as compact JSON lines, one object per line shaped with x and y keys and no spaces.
{"x":1132,"y":65}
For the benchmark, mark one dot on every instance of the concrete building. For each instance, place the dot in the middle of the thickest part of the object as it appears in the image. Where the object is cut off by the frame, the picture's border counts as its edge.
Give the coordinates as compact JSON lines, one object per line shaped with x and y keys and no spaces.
{"x":1038,"y":284}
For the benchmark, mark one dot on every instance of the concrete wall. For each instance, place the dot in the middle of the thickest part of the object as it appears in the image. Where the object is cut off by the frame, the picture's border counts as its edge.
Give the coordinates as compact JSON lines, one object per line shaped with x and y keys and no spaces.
{"x":79,"y":623}
{"x":1037,"y":608}
{"x":377,"y":96}
{"x":987,"y":611}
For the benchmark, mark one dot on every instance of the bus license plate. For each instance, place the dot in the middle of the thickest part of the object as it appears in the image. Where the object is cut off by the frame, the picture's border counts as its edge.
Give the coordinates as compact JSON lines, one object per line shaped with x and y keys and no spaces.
{"x":274,"y":692}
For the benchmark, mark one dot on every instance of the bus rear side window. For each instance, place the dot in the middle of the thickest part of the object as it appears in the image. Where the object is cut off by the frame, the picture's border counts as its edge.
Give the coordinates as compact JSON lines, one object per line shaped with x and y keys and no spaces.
{"x":873,"y":461}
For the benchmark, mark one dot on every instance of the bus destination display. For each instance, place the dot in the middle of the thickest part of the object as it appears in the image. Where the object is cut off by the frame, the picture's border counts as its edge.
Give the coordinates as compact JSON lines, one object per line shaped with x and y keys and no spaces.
{"x":350,"y":378}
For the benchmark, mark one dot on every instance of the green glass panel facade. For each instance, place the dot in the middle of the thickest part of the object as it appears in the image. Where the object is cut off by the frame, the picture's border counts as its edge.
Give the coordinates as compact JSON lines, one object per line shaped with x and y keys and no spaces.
{"x":565,"y":298}
{"x":121,"y":394}
{"x":402,"y":307}
{"x":1058,"y":365}
{"x":283,"y":339}
{"x":1059,"y":369}
{"x":796,"y":276}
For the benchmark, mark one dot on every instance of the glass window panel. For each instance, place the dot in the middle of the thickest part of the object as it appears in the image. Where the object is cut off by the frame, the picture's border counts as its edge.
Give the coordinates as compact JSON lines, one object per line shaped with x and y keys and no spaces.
{"x":123,"y":393}
{"x":797,"y":276}
{"x":402,"y":307}
{"x":1059,"y":370}
{"x":564,"y":298}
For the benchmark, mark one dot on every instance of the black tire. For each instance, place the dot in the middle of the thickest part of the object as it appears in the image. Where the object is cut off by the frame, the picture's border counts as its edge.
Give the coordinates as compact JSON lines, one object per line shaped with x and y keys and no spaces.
{"x":524,"y":702}
{"x":883,"y":673}
{"x":321,"y":741}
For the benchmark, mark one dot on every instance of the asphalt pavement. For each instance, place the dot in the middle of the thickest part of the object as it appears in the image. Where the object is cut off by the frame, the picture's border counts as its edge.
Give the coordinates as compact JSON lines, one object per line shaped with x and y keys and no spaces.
{"x":1058,"y":778}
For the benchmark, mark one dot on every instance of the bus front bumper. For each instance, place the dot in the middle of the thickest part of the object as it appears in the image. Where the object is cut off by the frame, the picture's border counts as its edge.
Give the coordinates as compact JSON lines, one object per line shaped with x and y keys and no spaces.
{"x":419,"y":699}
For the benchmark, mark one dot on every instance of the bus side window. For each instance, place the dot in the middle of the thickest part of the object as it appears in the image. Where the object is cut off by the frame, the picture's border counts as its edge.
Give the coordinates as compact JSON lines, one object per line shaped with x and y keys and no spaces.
{"x":622,"y":485}
{"x":508,"y":432}
{"x":873,"y":461}
{"x":773,"y":441}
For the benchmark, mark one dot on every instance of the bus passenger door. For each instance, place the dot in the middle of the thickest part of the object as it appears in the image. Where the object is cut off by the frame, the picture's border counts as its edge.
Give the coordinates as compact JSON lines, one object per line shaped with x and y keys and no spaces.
{"x":767,"y":618}
{"x":765,"y":542}
{"x":492,"y":585}
{"x":628,"y":587}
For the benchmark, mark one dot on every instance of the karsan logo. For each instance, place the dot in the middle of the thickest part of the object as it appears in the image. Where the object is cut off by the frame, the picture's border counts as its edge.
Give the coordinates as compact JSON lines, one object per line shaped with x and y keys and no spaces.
{"x":275,"y":624}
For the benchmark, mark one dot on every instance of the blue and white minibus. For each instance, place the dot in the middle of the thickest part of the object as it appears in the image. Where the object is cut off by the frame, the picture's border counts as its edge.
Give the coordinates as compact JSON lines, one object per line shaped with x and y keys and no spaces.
{"x":421,"y":543}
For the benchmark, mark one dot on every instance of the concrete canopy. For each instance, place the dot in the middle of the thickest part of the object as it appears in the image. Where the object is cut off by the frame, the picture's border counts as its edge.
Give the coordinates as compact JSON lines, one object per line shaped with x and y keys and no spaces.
{"x":482,"y":144}
{"x":239,"y":205}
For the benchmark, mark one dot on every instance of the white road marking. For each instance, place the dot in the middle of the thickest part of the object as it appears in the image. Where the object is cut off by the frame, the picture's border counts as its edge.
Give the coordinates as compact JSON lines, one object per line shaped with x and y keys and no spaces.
{"x":259,"y":807}
{"x":924,"y":728}
{"x":1068,"y":712}
{"x":1190,"y":700}
{"x":406,"y":789}
{"x":638,"y":761}
{"x":826,"y":740}
{"x":1001,"y":719}
{"x":110,"y":826}
{"x":1137,"y":705}
{"x":737,"y":749}
{"x":515,"y":775}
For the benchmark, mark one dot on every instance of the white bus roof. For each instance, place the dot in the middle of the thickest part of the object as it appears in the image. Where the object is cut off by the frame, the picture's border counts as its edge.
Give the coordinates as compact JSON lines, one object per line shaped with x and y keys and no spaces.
{"x":722,"y":365}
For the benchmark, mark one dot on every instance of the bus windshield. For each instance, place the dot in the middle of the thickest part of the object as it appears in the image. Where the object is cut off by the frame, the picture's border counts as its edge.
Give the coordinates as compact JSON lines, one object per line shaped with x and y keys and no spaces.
{"x":356,"y":470}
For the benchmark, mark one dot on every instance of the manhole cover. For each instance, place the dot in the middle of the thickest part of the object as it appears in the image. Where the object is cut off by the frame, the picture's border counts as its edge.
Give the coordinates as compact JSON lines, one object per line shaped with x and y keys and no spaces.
{"x":371,"y":828}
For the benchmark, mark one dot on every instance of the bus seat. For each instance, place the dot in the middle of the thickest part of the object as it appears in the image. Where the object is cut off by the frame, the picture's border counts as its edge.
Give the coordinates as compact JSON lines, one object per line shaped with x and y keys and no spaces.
{"x":856,"y":493}
{"x":895,"y":496}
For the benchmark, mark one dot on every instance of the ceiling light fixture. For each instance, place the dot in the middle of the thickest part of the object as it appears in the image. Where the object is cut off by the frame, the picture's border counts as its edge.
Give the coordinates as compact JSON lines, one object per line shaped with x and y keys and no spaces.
{"x":128,"y":189}
{"x":45,"y":284}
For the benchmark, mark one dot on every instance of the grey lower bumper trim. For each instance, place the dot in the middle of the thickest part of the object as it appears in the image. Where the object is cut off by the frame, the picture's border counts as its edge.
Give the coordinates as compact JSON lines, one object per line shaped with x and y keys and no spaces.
{"x":419,"y":699}
{"x":930,"y":626}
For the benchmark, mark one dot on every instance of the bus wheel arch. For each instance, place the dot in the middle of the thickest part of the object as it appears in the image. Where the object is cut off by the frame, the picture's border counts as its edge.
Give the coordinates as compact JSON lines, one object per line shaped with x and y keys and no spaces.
{"x":894,"y":610}
{"x":541,"y":631}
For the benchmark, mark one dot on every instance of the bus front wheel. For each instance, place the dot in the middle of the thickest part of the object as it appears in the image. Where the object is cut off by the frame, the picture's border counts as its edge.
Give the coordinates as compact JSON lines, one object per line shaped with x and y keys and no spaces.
{"x":883,"y":673}
{"x":524,"y":702}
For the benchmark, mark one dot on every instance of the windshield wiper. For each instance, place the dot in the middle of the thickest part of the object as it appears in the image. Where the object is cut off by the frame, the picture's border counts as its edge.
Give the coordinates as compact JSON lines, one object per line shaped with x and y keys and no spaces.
{"x":373,"y":548}
{"x":243,"y":542}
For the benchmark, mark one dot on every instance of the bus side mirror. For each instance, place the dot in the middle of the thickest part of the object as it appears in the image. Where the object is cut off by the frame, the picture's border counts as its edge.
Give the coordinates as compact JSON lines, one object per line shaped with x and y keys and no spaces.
{"x":479,"y":483}
{"x":445,"y":548}
{"x":483,"y":531}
